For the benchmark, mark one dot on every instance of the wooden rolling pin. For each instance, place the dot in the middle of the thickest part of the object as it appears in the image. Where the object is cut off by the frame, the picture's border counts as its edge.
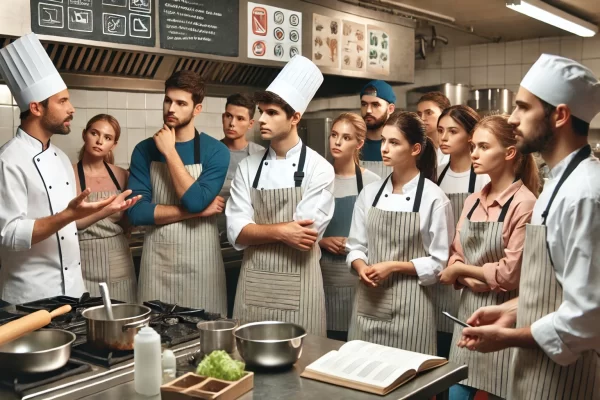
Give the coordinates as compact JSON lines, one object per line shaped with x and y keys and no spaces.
{"x":29,"y":323}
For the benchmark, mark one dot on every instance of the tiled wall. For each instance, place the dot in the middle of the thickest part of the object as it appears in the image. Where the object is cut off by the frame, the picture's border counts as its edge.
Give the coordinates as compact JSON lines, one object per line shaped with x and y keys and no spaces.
{"x":140,"y":116}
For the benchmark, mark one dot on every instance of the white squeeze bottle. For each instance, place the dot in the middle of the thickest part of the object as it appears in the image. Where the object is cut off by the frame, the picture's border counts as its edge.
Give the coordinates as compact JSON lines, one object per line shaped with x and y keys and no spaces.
{"x":147,"y":362}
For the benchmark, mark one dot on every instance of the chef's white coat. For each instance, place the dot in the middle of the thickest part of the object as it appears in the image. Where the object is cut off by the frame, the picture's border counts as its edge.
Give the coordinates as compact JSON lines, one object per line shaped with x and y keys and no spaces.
{"x":573,"y":235}
{"x":36,"y":184}
{"x":317,"y":200}
{"x":435,"y":217}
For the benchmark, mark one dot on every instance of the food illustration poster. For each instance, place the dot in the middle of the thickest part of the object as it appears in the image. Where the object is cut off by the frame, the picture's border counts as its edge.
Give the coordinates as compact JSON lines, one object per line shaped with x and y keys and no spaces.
{"x":273,"y":33}
{"x":353,"y":54}
{"x":378,"y":60}
{"x":326,"y":34}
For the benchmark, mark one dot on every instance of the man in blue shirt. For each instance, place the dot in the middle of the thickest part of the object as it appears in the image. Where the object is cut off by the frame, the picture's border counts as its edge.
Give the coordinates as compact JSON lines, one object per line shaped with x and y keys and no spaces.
{"x":179,"y":173}
{"x":377,"y":102}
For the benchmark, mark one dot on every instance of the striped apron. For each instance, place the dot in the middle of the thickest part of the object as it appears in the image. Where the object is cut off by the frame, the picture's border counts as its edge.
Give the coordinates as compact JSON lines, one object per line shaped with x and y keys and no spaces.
{"x":338,"y":281}
{"x":278,"y":282}
{"x":399,"y":312}
{"x":181,"y":262}
{"x":377,"y":167}
{"x":446,"y":298}
{"x":105,"y":255}
{"x":533,"y":374}
{"x":482,"y":243}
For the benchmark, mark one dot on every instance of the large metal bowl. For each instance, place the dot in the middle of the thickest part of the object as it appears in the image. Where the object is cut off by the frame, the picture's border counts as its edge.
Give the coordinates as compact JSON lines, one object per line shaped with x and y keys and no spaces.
{"x":39,"y":351}
{"x":270,"y":343}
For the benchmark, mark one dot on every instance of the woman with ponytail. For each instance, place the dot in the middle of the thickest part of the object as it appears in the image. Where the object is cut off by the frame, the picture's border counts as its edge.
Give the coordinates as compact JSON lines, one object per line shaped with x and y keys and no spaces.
{"x":400,"y":235}
{"x":345,"y":141}
{"x":105,"y":255}
{"x":485,"y":258}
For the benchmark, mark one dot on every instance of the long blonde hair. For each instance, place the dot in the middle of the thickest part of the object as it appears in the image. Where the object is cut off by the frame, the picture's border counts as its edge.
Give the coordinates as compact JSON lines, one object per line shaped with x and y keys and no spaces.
{"x":360,"y":129}
{"x":109,"y":158}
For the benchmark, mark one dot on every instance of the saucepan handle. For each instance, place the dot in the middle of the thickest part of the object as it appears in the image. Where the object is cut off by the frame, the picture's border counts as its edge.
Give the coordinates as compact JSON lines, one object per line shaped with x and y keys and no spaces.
{"x":135,"y":325}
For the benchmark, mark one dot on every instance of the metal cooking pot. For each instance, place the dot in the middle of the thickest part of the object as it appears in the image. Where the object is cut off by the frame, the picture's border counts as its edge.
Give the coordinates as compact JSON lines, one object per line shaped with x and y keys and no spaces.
{"x":115,"y":334}
{"x":39,"y":351}
{"x":217,"y":335}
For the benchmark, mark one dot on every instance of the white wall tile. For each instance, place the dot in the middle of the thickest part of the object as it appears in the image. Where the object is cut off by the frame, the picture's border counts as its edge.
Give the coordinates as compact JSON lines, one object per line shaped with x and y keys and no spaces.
{"x":525,"y":68}
{"x":6,"y":117}
{"x":479,"y":76}
{"x":120,"y":116}
{"x":78,"y":98}
{"x":154,"y":101}
{"x":531,"y":50}
{"x":16,"y":114}
{"x":434,"y":59}
{"x":550,"y":45}
{"x":571,"y":47}
{"x":594,"y":65}
{"x":496,"y":75}
{"x":512,"y":74}
{"x":447,"y":75}
{"x":462,"y":75}
{"x":212,"y":105}
{"x":136,"y":101}
{"x":121,"y":152}
{"x":513,"y":53}
{"x":432,"y":76}
{"x":134,"y":136}
{"x":152,"y":131}
{"x":496,"y":54}
{"x":591,"y":47}
{"x":5,"y":96}
{"x":479,"y":54}
{"x":116,"y":100}
{"x":448,"y":55}
{"x":96,"y":99}
{"x":80,"y":119}
{"x":92,"y":112}
{"x":136,"y":119}
{"x":462,"y":56}
{"x":154,"y":118}
{"x":5,"y":135}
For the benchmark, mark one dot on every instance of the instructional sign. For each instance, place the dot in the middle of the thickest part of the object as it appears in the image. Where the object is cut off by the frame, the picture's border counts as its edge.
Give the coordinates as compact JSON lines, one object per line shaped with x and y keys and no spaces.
{"x":273,"y":33}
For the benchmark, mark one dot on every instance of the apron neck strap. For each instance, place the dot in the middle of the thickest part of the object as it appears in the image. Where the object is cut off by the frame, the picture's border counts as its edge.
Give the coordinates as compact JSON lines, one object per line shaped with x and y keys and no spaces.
{"x":378,"y":195}
{"x":112,"y":176}
{"x":472,"y":177}
{"x":298,"y":175}
{"x":579,"y":157}
{"x":443,"y":174}
{"x":418,"y":196}
{"x":503,"y":213}
{"x":359,"y":180}
{"x":81,"y":174}
{"x":196,"y":147}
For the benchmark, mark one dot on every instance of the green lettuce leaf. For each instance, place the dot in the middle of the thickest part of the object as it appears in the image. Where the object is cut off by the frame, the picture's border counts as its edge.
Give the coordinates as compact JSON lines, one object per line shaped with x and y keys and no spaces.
{"x":220,"y":365}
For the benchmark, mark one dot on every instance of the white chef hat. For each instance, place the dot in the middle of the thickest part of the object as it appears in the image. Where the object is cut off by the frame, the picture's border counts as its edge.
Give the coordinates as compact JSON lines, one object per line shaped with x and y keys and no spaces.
{"x":29,"y":72}
{"x":558,"y":80}
{"x":297,"y":83}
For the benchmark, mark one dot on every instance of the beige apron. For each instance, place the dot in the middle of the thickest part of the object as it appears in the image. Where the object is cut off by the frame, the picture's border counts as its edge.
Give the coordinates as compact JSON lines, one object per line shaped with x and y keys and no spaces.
{"x":446,"y":298}
{"x":105,"y":254}
{"x":181,"y":262}
{"x":277,"y":282}
{"x":533,"y":374}
{"x":399,"y":312}
{"x":482,"y":243}
{"x":377,"y":167}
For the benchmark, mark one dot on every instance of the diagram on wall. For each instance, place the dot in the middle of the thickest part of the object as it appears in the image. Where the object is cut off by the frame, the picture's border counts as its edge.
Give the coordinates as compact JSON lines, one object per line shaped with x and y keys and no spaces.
{"x":326,"y":38}
{"x":379,"y":51}
{"x":273,"y":33}
{"x":353,"y":49}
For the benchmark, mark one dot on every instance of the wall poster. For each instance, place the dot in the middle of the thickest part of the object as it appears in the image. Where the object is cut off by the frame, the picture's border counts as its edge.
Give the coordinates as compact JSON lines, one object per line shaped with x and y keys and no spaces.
{"x":379,"y":51}
{"x":326,"y":39}
{"x":273,"y":33}
{"x":354,"y":48}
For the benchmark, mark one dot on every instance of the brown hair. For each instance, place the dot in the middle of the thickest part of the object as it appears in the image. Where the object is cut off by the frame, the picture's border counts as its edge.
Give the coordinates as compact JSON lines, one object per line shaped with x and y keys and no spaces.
{"x":438,"y":98}
{"x":25,"y":114}
{"x":413,"y":129}
{"x":188,"y":81}
{"x":525,"y":168}
{"x":242,"y":100}
{"x":465,"y":116}
{"x":360,"y":129}
{"x":109,"y":158}
{"x":271,"y":98}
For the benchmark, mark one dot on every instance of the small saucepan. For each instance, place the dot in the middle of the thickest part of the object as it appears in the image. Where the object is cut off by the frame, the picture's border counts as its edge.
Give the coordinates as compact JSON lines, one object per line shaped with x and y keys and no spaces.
{"x":116,"y":334}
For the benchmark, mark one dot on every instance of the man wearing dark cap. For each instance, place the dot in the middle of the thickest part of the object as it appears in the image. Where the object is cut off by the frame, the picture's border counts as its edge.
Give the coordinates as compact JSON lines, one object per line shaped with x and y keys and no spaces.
{"x":377,"y":102}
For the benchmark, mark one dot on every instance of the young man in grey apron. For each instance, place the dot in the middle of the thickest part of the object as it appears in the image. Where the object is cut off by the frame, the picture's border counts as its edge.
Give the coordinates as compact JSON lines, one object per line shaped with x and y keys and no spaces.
{"x":179,"y":173}
{"x":377,"y":102}
{"x":558,"y":334}
{"x":281,"y":202}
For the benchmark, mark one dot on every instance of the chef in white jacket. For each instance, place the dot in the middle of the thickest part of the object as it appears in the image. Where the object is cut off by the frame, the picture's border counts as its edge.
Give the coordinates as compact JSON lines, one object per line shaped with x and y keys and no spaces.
{"x":281,"y":202}
{"x":39,"y":247}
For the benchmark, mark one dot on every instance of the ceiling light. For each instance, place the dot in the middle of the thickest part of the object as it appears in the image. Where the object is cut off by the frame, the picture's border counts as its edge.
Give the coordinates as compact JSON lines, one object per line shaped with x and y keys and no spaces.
{"x":553,"y":16}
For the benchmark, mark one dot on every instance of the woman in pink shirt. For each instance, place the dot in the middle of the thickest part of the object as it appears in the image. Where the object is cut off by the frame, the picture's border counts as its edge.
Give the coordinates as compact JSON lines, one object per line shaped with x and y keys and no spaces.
{"x":485,"y":257}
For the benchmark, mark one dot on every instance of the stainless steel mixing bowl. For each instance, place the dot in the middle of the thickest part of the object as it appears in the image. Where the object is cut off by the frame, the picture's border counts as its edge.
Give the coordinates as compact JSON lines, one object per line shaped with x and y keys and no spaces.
{"x":270,"y":343}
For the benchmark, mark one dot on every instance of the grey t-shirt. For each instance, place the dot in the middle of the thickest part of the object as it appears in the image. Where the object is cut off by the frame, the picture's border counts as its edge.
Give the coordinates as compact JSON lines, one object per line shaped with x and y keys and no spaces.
{"x":238,"y":155}
{"x":346,"y":185}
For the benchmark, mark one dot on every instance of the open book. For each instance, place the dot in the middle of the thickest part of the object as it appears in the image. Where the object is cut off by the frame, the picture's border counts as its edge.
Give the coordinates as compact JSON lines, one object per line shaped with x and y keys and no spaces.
{"x":370,"y":367}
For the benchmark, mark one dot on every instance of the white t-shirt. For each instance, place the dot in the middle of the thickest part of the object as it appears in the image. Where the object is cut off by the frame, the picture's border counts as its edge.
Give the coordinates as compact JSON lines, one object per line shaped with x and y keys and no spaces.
{"x":458,"y":182}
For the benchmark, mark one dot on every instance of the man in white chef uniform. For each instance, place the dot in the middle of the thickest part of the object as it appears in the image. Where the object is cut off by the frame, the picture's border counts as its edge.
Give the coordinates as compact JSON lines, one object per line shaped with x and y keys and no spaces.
{"x":557,"y":312}
{"x":39,"y":247}
{"x":281,"y":202}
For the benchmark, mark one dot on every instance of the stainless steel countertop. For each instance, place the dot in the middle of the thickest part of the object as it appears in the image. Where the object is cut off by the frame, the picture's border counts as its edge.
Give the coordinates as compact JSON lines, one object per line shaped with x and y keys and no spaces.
{"x":288,"y":384}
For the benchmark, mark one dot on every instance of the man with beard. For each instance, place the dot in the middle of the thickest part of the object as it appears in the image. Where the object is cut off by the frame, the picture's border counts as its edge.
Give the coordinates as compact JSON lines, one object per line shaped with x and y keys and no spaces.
{"x":557,"y":332}
{"x":429,"y":109}
{"x":179,"y":173}
{"x":39,"y":247}
{"x":377,"y":102}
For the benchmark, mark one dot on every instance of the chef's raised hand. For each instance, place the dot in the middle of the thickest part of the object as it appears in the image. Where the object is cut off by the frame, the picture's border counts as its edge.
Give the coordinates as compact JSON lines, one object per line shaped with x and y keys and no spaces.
{"x":165,"y":140}
{"x":296,"y":234}
{"x":78,"y":208}
{"x":334,"y":245}
{"x":215,"y":207}
{"x":121,"y":202}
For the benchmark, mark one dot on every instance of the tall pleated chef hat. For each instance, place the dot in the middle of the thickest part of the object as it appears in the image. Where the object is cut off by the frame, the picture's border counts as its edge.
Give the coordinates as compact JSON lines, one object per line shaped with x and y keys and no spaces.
{"x":297,"y":83}
{"x":558,"y":80}
{"x":29,"y":72}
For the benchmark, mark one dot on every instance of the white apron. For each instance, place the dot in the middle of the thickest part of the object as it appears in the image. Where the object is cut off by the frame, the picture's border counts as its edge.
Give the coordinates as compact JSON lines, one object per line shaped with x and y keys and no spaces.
{"x":105,"y":254}
{"x":338,"y":281}
{"x":377,"y":167}
{"x":181,"y":262}
{"x":400,"y":312}
{"x":482,"y":243}
{"x":533,"y":374}
{"x":277,"y":282}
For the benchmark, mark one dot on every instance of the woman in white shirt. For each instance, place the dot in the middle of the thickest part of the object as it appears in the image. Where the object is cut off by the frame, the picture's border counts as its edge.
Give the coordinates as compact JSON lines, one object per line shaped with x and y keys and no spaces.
{"x":458,"y":180}
{"x":399,"y":240}
{"x":345,"y":142}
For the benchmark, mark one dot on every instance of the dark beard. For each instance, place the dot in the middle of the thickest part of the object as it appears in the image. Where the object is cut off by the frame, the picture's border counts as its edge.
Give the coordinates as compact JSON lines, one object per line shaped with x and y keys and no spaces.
{"x":378,"y":123}
{"x":181,"y":123}
{"x":539,"y":141}
{"x":56,"y":128}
